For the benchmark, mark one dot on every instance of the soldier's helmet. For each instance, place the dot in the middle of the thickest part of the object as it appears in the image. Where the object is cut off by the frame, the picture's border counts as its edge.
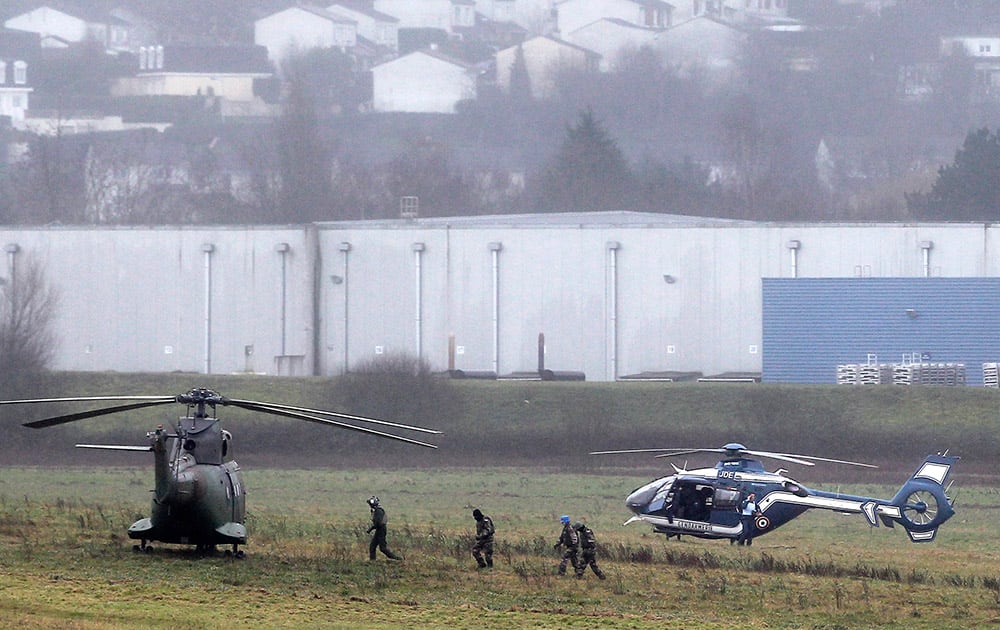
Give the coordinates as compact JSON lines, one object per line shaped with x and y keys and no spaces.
{"x":477,"y":514}
{"x":578,"y":525}
{"x":373,"y":501}
{"x":564,"y":519}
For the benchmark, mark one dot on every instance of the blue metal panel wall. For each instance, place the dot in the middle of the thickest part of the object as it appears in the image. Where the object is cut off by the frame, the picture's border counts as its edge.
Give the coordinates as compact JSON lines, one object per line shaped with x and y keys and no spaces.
{"x":810,"y":325}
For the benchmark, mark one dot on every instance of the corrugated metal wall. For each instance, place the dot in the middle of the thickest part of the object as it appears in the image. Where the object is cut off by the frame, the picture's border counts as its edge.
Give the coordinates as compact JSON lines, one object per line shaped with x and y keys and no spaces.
{"x":811,"y":325}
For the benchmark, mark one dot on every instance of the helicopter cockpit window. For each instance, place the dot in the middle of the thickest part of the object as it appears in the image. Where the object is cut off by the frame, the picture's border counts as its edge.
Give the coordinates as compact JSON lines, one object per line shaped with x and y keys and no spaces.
{"x":662,"y":495}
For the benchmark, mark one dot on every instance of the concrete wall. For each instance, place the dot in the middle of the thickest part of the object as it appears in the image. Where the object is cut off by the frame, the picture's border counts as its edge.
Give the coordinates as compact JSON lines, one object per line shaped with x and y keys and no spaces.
{"x":613,"y":293}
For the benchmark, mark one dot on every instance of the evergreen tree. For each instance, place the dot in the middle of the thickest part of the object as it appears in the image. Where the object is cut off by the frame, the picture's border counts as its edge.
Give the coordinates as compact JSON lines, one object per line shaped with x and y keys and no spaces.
{"x":304,"y":163}
{"x":589,"y":172}
{"x":969,"y":188}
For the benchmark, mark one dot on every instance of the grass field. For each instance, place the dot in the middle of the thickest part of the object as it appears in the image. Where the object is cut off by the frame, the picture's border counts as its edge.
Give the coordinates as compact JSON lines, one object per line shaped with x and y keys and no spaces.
{"x":519,"y":452}
{"x":66,"y":562}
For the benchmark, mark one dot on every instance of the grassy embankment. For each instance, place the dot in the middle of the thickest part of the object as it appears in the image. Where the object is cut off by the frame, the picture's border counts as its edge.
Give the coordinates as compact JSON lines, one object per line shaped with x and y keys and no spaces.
{"x":540,"y":424}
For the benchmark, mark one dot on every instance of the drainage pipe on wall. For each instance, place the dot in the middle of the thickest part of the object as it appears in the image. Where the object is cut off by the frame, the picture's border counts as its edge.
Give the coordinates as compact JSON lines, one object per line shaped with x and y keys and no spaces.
{"x":495,"y":255}
{"x":12,"y":249}
{"x":613,"y":247}
{"x":418,"y":249}
{"x":282,"y":249}
{"x":926,"y":246}
{"x":345,"y":247}
{"x":208,"y":248}
{"x":793,"y":252}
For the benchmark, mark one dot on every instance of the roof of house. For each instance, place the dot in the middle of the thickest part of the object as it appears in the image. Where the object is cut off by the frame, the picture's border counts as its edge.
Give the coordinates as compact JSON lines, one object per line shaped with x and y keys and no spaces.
{"x":317,"y":11}
{"x":365,"y":8}
{"x":82,"y":10}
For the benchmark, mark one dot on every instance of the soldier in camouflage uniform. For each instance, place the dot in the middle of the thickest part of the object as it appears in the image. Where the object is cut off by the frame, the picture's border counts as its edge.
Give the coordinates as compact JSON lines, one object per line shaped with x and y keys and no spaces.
{"x":571,"y":541}
{"x":380,"y":527}
{"x":482,"y":551}
{"x":588,"y":545}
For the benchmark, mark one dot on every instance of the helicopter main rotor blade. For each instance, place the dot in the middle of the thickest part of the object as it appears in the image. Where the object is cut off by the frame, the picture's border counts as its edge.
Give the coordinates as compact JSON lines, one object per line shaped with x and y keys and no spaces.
{"x":83,"y":415}
{"x":668,"y":451}
{"x":267,"y":407}
{"x":343,"y":425}
{"x":114,"y":447}
{"x":810,"y":457}
{"x":28,"y":401}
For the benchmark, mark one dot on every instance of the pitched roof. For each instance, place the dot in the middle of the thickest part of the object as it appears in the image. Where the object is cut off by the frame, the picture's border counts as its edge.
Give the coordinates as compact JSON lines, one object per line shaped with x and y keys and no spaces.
{"x":360,"y":6}
{"x":82,"y":10}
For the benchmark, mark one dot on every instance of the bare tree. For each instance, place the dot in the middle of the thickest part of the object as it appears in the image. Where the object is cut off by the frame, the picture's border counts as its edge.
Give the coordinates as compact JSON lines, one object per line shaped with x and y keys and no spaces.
{"x":27,"y":308}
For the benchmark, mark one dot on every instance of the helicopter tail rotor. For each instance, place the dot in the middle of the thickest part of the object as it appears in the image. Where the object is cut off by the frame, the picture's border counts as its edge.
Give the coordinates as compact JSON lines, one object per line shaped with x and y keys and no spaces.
{"x":922,"y":504}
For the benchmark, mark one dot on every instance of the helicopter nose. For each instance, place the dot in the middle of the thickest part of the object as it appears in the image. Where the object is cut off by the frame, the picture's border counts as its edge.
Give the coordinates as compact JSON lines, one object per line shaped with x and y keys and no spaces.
{"x":639,"y":499}
{"x":635,"y":502}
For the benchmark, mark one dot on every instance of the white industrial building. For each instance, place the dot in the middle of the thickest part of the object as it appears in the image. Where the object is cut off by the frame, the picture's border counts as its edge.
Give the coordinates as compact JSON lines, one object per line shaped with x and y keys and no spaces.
{"x":614,"y":294}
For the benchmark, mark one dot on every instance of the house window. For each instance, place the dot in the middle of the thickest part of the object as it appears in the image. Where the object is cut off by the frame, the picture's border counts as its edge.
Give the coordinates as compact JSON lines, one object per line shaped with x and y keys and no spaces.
{"x":3,"y":72}
{"x":20,"y":73}
{"x":984,"y":48}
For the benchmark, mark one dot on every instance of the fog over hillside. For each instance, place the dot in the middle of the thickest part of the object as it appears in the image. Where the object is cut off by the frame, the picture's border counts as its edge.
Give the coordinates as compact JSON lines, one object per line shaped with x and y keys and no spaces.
{"x":828,"y":110}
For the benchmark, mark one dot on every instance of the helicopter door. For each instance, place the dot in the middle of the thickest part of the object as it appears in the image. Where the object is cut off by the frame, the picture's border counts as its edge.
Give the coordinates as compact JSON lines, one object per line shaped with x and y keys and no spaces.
{"x":236,"y":492}
{"x":693,"y":501}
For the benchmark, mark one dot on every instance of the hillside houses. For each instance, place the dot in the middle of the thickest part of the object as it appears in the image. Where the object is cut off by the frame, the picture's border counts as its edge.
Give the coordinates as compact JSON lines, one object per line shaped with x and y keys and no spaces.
{"x":402,"y":62}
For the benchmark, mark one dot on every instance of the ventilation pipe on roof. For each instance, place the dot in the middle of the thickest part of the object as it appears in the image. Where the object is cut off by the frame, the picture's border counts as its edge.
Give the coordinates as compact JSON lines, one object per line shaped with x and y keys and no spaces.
{"x":495,"y":255}
{"x":612,"y":288}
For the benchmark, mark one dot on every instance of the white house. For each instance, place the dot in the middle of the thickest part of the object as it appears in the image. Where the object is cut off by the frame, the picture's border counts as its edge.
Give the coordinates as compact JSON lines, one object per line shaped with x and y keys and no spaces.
{"x":983,"y":52}
{"x":703,"y":45}
{"x":610,"y":36}
{"x":17,"y":49}
{"x":301,"y":28}
{"x":56,"y":27}
{"x":574,"y":14}
{"x":545,"y":58}
{"x":380,"y":28}
{"x":424,"y":81}
{"x":446,"y":15}
{"x":224,"y":72}
{"x":535,"y":16}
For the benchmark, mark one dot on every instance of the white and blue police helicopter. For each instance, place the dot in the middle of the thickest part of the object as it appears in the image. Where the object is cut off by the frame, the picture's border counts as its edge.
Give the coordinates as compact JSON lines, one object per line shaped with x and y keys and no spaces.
{"x":706,"y":502}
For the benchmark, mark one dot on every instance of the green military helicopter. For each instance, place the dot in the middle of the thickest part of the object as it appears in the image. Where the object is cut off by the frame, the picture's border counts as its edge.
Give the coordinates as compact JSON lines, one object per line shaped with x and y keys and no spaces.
{"x":199,"y":498}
